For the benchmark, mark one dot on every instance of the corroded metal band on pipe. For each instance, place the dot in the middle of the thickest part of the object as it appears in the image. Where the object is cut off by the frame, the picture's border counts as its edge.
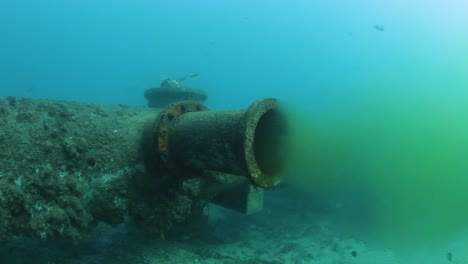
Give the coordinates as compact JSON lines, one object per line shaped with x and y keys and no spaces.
{"x":242,"y":142}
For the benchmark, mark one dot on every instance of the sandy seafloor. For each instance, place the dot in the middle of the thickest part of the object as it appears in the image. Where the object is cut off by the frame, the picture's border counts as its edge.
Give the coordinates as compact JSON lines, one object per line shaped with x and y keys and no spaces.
{"x":288,"y":230}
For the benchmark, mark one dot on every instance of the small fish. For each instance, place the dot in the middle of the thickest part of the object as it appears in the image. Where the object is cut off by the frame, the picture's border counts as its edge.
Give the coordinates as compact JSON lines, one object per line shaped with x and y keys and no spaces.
{"x":379,"y":28}
{"x":193,"y":75}
{"x":450,"y":256}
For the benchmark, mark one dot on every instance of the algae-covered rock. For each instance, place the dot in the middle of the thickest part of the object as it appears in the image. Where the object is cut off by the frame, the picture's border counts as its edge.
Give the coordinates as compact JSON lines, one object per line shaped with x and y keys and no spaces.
{"x":65,"y":166}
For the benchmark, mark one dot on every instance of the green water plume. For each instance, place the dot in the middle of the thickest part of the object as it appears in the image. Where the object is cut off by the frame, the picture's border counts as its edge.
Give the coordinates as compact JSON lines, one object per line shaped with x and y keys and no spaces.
{"x":398,"y":148}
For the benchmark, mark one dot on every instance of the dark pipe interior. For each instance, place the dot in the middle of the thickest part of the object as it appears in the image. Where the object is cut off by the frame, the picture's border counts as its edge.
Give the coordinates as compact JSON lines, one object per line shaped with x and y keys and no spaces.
{"x":269,"y":142}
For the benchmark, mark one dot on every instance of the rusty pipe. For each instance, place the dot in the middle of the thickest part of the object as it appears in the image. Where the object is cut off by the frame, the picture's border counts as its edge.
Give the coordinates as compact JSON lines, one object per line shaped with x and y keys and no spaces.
{"x":246,"y":142}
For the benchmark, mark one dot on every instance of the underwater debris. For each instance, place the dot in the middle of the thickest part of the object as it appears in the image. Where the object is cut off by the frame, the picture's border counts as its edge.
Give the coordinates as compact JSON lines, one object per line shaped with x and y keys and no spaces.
{"x":379,"y":28}
{"x":60,"y":183}
{"x":173,"y":90}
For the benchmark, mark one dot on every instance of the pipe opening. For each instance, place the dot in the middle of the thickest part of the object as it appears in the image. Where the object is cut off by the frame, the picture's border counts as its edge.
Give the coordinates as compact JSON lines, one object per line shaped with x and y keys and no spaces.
{"x":268,"y":144}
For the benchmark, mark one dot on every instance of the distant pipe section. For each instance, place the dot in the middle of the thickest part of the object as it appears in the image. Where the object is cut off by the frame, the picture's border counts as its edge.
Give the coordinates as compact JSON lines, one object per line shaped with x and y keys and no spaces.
{"x":246,"y":142}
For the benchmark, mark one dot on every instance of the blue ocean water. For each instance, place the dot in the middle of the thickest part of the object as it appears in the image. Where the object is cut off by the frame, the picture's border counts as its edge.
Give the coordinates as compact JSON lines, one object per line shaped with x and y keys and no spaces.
{"x":322,"y":56}
{"x":110,"y":52}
